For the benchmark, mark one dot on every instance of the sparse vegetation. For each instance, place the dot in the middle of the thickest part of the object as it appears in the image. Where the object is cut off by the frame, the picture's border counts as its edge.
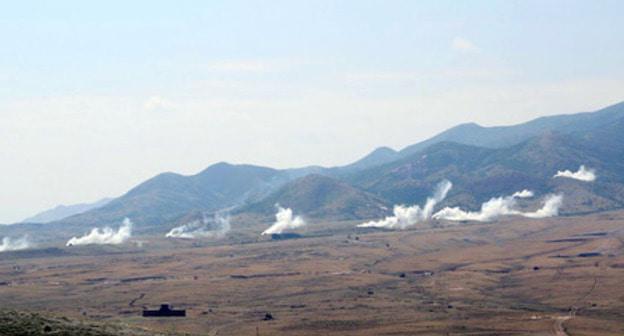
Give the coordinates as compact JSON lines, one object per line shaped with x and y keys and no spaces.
{"x":16,"y":323}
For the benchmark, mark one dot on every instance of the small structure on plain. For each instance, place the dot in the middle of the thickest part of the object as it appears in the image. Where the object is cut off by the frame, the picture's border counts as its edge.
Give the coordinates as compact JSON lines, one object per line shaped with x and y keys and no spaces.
{"x":164,"y":311}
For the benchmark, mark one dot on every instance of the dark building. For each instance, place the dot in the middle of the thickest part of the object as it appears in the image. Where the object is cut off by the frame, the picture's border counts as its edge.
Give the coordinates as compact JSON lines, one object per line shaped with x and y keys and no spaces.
{"x":164,"y":311}
{"x":282,"y":236}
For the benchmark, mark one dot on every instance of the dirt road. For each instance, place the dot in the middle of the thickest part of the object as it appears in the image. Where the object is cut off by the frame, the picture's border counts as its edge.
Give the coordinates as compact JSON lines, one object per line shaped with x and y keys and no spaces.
{"x":558,"y":329}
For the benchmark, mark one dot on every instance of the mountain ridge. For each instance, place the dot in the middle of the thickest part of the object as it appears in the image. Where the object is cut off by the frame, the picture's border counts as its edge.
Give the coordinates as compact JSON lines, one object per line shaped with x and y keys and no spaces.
{"x":502,"y":136}
{"x":63,"y":211}
{"x":523,"y":156}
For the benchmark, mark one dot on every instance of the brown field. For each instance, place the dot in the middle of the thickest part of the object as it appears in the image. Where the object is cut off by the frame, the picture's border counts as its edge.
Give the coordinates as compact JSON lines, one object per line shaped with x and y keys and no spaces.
{"x":513,"y":277}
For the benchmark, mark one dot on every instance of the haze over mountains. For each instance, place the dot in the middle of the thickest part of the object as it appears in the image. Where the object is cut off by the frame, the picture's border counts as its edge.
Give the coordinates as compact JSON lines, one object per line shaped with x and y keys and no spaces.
{"x":64,"y":211}
{"x":482,"y":162}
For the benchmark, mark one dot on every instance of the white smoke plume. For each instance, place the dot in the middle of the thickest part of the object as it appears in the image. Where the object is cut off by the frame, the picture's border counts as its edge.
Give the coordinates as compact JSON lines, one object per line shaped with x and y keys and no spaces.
{"x":216,"y":227}
{"x":495,"y":207}
{"x":105,"y":236}
{"x":9,"y":244}
{"x":582,"y":174}
{"x":549,"y":209}
{"x":523,"y":194}
{"x":407,"y":216}
{"x":284,"y":220}
{"x":502,"y":206}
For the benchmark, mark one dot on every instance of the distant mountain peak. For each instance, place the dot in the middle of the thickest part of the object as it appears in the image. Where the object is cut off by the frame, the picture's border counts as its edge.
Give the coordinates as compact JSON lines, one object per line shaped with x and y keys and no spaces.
{"x":377,"y":157}
{"x":469,"y":125}
{"x":63,"y":211}
{"x":383,"y":150}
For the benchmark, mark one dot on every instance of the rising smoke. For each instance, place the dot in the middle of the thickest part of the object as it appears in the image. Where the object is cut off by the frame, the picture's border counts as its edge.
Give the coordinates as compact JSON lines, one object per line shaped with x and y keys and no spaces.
{"x":502,"y":206}
{"x":523,"y":194}
{"x":9,"y":244}
{"x":549,"y":209}
{"x":216,"y":227}
{"x":284,"y":220}
{"x":582,"y":174}
{"x":407,"y":216}
{"x":105,"y":236}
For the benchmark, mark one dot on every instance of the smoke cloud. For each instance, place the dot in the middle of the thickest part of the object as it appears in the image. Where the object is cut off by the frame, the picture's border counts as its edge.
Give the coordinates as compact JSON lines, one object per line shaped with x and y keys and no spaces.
{"x":284,"y":220}
{"x":582,"y":174}
{"x":523,"y":194}
{"x":502,"y":206}
{"x":550,"y":208}
{"x":216,"y":227}
{"x":105,"y":236}
{"x":407,"y":216}
{"x":9,"y":244}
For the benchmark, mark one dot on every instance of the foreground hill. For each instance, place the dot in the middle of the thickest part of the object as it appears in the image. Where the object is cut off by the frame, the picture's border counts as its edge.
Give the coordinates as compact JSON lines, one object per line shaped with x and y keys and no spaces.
{"x":16,"y":323}
{"x":322,"y":197}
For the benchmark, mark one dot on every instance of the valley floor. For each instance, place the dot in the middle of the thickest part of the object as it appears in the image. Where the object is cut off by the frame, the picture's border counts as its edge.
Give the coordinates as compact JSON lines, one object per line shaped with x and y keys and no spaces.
{"x":513,"y":277}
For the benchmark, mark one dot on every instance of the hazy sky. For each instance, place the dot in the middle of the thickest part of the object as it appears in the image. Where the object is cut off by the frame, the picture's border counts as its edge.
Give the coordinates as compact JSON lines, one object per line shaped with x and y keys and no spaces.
{"x":97,"y":98}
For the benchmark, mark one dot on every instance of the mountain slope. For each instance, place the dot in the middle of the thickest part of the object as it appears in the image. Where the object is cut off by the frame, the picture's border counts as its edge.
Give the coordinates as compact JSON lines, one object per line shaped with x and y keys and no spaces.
{"x":504,"y":136}
{"x":169,"y":196}
{"x":411,"y":179}
{"x":481,"y":173}
{"x":377,"y":157}
{"x":322,"y":197}
{"x":64,"y":211}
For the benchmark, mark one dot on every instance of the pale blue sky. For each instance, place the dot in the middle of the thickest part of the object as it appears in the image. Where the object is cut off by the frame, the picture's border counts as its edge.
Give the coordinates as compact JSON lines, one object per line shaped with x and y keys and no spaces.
{"x":97,"y":98}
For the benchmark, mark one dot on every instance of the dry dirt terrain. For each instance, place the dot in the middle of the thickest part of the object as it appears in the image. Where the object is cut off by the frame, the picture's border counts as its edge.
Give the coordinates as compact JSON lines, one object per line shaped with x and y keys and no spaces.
{"x":561,"y":276}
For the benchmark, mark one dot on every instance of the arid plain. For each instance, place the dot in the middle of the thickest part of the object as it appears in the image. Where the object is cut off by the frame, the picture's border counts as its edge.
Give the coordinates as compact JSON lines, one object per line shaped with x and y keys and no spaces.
{"x":559,"y":276}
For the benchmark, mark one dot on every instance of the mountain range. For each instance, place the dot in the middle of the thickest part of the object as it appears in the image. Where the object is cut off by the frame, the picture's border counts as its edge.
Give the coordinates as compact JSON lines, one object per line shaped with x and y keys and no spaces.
{"x":482,"y":162}
{"x":63,"y":211}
